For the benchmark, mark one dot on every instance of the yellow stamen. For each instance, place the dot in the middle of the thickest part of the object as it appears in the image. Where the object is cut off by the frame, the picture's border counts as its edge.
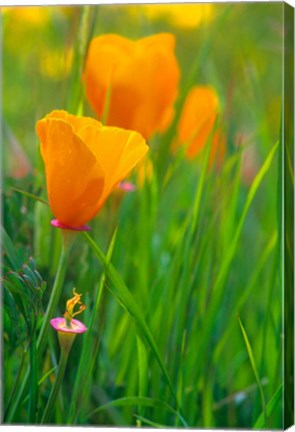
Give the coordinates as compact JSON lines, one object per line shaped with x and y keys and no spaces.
{"x":71,"y":303}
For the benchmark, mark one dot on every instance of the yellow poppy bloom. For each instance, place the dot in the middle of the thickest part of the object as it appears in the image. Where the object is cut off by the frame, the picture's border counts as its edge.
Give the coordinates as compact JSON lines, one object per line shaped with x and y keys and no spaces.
{"x":28,"y":15}
{"x":84,"y":162}
{"x":198,"y":117}
{"x":133,"y":84}
{"x":182,"y":15}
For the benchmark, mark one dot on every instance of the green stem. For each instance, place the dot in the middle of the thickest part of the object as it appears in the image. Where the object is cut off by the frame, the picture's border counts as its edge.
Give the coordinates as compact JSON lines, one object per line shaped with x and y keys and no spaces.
{"x":54,"y":392}
{"x":85,"y":31}
{"x":54,"y":298}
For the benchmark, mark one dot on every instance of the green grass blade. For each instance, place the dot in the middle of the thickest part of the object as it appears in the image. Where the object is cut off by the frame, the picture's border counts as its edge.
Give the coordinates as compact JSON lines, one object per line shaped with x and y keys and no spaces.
{"x":254,"y":368}
{"x":252,"y":192}
{"x":15,"y":386}
{"x":44,"y":377}
{"x":218,"y":292}
{"x":29,"y":195}
{"x":149,"y":422}
{"x":270,"y":407}
{"x":201,"y":184}
{"x":245,"y":295}
{"x":143,"y":401}
{"x":142,"y":369}
{"x":123,"y":295}
{"x":180,"y":389}
{"x":75,"y":97}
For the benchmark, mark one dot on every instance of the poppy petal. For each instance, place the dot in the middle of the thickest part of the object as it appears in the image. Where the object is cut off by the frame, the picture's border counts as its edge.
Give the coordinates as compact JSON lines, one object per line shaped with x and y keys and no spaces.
{"x":136,"y":81}
{"x":117,"y":151}
{"x":73,"y":198}
{"x":197,"y":119}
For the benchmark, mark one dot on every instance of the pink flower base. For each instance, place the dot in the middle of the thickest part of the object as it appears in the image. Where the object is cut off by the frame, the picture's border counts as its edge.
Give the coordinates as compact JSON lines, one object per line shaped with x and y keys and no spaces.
{"x":57,"y":224}
{"x":59,"y":324}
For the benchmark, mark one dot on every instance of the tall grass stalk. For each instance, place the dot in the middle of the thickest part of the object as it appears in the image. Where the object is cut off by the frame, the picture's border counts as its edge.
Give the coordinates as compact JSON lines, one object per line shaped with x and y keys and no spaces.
{"x":253,"y":364}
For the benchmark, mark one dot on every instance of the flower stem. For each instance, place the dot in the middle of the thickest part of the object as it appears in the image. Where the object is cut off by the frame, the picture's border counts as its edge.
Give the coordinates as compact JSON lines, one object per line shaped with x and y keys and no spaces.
{"x":54,"y":392}
{"x":54,"y":298}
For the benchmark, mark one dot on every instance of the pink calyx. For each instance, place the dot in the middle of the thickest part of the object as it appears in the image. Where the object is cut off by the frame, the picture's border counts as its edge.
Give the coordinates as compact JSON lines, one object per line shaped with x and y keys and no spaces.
{"x":60,"y":325}
{"x":57,"y":224}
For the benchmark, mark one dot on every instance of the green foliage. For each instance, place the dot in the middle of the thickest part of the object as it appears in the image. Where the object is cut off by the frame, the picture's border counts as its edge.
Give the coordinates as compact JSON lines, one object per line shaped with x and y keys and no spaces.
{"x":23,"y":292}
{"x":23,"y":287}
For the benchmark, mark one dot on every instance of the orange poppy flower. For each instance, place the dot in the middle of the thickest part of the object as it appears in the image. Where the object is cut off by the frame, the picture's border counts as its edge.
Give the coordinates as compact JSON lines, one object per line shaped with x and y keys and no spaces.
{"x":84,"y":162}
{"x":198,"y":117}
{"x":134,"y":81}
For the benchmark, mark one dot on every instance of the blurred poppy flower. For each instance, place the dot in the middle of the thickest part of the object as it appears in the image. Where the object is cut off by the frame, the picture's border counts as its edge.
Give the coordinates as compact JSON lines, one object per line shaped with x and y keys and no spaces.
{"x":197,"y":121}
{"x":31,"y":15}
{"x":133,"y":84}
{"x":21,"y":24}
{"x":84,"y":162}
{"x":181,"y":15}
{"x":51,"y":59}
